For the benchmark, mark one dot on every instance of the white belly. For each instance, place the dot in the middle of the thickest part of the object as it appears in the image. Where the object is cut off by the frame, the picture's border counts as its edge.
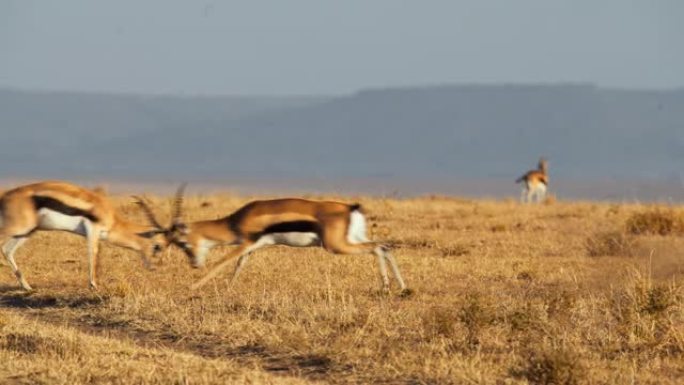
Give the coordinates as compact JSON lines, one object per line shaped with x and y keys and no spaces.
{"x":295,"y":239}
{"x":53,"y":220}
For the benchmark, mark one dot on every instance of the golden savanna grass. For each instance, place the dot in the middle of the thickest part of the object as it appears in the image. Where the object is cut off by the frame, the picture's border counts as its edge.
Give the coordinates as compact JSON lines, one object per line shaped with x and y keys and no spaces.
{"x":564,"y":293}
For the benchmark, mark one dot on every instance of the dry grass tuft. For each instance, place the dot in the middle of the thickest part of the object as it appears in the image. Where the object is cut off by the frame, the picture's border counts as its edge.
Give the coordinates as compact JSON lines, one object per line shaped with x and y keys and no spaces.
{"x":551,"y":366}
{"x":476,"y":314}
{"x":611,"y":243}
{"x":35,"y":344}
{"x":656,"y":221}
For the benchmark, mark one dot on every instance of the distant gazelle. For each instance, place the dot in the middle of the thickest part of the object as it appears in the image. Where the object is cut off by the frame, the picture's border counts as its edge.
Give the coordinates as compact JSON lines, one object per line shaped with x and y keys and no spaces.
{"x":337,"y":227}
{"x":535,"y":183}
{"x":54,"y":205}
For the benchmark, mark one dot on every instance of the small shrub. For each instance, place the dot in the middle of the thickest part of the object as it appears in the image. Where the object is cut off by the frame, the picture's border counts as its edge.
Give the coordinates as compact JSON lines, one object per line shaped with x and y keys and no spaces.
{"x":611,"y":243}
{"x":560,"y":303}
{"x":440,"y":322}
{"x":522,"y":319}
{"x":498,"y":228}
{"x":455,"y":251}
{"x":656,"y":300}
{"x":655,"y":222}
{"x":525,"y":275}
{"x":475,"y":315}
{"x":551,"y":367}
{"x":122,"y":289}
{"x":33,"y":344}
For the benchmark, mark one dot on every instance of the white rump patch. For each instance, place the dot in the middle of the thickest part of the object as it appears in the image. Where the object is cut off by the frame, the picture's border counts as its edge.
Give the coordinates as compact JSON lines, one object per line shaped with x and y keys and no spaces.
{"x":356,"y":233}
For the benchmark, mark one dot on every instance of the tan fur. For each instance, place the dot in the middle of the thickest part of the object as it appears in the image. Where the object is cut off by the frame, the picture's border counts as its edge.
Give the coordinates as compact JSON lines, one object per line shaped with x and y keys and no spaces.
{"x":20,"y":218}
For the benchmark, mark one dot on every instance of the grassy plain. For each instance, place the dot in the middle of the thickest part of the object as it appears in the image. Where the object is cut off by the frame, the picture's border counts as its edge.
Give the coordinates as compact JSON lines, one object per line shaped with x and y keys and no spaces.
{"x":563,"y":293}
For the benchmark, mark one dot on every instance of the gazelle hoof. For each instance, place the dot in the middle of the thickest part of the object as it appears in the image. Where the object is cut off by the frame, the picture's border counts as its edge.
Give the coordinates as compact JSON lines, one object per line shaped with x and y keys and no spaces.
{"x":406,"y":293}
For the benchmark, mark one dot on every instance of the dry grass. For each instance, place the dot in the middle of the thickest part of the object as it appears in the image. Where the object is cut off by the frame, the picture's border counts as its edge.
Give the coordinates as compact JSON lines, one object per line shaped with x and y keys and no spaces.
{"x":657,"y":221}
{"x":504,"y":293}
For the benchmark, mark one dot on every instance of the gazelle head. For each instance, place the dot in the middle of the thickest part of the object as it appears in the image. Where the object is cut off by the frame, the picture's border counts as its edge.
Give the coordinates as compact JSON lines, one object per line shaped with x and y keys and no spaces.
{"x":177,"y":232}
{"x":543,"y":164}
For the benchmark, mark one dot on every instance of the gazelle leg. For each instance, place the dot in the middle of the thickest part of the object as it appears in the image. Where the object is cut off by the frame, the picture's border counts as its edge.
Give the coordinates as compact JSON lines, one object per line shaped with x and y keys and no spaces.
{"x":261,"y":242}
{"x":542,"y":193}
{"x":92,"y":237}
{"x":8,"y":249}
{"x":395,"y":269}
{"x":382,"y":265}
{"x":335,"y":241}
{"x":227,"y":260}
{"x":238,"y":266}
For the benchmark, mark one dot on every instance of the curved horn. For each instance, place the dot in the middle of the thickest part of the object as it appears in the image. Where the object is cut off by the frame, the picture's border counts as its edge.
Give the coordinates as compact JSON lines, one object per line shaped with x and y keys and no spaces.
{"x":177,"y":209}
{"x":148,"y":212}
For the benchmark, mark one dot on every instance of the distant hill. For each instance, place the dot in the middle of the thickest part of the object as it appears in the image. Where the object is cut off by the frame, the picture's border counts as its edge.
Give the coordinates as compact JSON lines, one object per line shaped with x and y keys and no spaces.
{"x":469,"y":131}
{"x":50,"y":132}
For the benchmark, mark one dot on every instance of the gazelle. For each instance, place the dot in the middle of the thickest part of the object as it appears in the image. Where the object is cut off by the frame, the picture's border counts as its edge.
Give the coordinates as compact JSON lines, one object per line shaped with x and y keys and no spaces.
{"x":337,"y":227}
{"x":54,"y":205}
{"x":535,"y":183}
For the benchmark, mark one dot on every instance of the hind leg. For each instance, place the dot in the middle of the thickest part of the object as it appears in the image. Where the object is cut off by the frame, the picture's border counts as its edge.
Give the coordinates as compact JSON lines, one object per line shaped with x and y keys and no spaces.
{"x":8,"y":249}
{"x":335,"y":241}
{"x":393,"y":265}
{"x":382,"y":265}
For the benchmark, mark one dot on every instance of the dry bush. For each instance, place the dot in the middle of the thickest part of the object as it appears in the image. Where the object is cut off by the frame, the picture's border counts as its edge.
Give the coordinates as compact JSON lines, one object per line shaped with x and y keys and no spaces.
{"x":476,"y":314}
{"x":647,"y":315}
{"x":34,"y":344}
{"x":455,"y":251}
{"x":655,"y":221}
{"x":611,"y":243}
{"x":441,"y":322}
{"x":551,"y":366}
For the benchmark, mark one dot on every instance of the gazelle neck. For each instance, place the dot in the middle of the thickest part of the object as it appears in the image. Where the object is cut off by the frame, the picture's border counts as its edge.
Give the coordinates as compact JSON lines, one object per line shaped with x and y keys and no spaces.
{"x":214,"y":230}
{"x":130,"y":234}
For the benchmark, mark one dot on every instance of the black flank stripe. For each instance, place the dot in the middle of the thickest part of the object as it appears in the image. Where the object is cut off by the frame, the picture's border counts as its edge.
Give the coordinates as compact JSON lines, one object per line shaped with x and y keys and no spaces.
{"x":55,"y":205}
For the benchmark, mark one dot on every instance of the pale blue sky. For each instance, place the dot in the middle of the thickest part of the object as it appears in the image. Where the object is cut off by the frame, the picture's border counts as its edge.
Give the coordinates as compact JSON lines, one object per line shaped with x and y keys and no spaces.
{"x":321,"y":47}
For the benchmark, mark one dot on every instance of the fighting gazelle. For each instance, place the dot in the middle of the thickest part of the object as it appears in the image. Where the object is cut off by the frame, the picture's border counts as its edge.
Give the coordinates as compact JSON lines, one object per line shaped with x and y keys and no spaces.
{"x":535,"y":183}
{"x":54,"y":205}
{"x":338,"y":227}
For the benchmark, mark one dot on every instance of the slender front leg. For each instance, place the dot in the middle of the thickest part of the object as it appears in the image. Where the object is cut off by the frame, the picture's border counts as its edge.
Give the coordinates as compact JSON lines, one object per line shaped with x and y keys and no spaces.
{"x":542,"y":194}
{"x":227,"y":260}
{"x":238,"y":266}
{"x":92,"y":237}
{"x":529,"y":195}
{"x":8,"y":249}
